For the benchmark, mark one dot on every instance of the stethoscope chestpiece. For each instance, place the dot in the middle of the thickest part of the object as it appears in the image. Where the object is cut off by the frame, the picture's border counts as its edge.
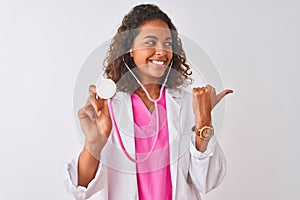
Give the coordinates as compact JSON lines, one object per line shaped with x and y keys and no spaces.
{"x":106,"y":88}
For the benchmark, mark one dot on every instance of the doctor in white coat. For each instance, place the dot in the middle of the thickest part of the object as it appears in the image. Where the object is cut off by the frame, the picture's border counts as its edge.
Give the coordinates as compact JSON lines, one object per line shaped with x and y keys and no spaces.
{"x":196,"y":161}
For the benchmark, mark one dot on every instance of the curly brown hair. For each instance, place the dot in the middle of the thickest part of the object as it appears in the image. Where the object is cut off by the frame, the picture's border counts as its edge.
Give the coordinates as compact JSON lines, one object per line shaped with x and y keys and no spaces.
{"x":121,"y":43}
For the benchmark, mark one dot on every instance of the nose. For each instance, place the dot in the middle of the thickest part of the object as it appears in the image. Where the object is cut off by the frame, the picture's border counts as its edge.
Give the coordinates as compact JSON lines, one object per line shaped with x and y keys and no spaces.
{"x":160,"y":50}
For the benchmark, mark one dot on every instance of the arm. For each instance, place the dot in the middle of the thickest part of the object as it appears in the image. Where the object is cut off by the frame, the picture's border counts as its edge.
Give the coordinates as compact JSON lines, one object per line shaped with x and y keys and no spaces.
{"x":207,"y":169}
{"x":96,"y":124}
{"x":85,"y":172}
{"x":208,"y":164}
{"x":204,"y":100}
{"x":72,"y":178}
{"x":87,"y":167}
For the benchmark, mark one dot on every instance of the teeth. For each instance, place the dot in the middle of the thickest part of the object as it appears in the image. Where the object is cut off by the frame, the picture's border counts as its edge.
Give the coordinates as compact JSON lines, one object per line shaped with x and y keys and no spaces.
{"x":158,"y":62}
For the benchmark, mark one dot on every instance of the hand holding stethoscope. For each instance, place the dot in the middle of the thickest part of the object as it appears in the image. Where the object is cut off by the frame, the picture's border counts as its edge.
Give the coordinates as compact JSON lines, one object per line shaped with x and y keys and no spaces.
{"x":95,"y":122}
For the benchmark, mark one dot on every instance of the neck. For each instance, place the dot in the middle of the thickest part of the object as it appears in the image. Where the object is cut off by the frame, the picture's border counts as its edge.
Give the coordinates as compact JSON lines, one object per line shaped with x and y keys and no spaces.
{"x":152,"y":88}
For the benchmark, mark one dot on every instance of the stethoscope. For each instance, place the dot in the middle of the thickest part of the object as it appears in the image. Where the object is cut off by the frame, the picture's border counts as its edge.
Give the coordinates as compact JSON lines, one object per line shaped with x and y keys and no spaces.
{"x":106,"y":89}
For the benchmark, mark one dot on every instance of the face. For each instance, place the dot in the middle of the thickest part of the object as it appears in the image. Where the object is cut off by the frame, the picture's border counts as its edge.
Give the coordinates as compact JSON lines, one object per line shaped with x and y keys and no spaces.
{"x":152,"y":50}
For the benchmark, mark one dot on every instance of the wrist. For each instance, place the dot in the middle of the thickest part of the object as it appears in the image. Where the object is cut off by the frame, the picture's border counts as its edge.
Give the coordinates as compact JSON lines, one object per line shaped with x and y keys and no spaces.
{"x":201,"y":145}
{"x":95,"y":147}
{"x":204,"y":120}
{"x":201,"y":123}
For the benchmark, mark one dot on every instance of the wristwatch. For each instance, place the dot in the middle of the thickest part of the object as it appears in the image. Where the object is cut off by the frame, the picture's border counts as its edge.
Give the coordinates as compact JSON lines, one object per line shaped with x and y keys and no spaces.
{"x":206,"y":132}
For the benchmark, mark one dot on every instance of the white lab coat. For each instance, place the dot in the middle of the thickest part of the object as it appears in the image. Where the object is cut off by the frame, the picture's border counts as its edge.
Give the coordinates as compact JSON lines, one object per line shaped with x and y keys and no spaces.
{"x":192,"y":172}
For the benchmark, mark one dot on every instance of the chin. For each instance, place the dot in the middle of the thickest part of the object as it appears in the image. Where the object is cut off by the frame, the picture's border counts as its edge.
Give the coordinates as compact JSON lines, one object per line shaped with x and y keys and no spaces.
{"x":158,"y":73}
{"x":152,"y":74}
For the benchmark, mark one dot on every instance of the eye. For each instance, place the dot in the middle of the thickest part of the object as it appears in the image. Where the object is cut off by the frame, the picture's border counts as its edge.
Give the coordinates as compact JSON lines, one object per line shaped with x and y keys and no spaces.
{"x":150,"y":43}
{"x":168,"y":44}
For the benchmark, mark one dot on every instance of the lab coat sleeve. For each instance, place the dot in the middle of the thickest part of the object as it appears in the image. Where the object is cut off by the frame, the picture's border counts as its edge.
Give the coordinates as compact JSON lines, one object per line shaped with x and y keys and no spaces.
{"x":207,"y":169}
{"x":80,"y":192}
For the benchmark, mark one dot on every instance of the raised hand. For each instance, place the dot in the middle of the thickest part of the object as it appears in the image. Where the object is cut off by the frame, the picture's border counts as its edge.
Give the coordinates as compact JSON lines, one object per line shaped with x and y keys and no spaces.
{"x":204,"y":100}
{"x":95,"y":122}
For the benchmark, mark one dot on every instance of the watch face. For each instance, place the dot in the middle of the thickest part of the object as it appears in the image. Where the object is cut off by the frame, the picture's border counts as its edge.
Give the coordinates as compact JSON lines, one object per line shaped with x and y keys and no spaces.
{"x":207,"y":133}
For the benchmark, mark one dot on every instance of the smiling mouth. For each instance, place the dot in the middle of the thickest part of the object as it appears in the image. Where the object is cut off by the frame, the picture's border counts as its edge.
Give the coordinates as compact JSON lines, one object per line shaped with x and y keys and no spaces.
{"x":159,"y":63}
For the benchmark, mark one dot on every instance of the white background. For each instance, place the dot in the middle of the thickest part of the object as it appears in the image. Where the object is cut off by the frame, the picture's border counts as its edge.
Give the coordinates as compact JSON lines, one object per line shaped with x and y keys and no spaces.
{"x":254,"y":44}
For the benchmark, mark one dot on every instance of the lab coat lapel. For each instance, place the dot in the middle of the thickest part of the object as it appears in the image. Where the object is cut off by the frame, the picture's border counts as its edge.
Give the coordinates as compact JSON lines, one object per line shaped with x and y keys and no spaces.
{"x":124,"y":120}
{"x":173,"y":115}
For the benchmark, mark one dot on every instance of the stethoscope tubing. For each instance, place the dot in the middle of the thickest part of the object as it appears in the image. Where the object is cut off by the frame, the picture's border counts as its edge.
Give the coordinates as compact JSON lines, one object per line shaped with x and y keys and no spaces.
{"x":112,"y":116}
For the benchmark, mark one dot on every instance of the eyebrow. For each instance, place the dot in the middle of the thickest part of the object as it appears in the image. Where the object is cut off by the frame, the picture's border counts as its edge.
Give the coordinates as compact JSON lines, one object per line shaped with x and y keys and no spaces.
{"x":154,"y":37}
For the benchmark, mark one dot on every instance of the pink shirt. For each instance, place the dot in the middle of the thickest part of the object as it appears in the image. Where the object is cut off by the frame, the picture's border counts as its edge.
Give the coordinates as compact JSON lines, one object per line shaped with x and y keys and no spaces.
{"x":153,"y":175}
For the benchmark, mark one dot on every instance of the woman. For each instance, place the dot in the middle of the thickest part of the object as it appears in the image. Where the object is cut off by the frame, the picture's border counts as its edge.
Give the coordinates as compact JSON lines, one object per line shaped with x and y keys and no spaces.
{"x":164,"y":161}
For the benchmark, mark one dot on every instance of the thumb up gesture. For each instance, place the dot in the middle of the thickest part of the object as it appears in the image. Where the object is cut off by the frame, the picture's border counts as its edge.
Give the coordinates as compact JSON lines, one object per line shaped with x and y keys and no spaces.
{"x":204,"y":100}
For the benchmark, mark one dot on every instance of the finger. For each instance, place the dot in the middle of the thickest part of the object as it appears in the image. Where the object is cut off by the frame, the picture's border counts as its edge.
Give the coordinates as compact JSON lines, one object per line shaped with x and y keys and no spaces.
{"x":92,"y":90}
{"x":228,"y":91}
{"x":97,"y":104}
{"x":90,"y":112}
{"x":199,"y":90}
{"x":195,"y":90}
{"x":87,"y":111}
{"x":211,"y":89}
{"x":94,"y":100}
{"x":105,"y":110}
{"x":223,"y":94}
